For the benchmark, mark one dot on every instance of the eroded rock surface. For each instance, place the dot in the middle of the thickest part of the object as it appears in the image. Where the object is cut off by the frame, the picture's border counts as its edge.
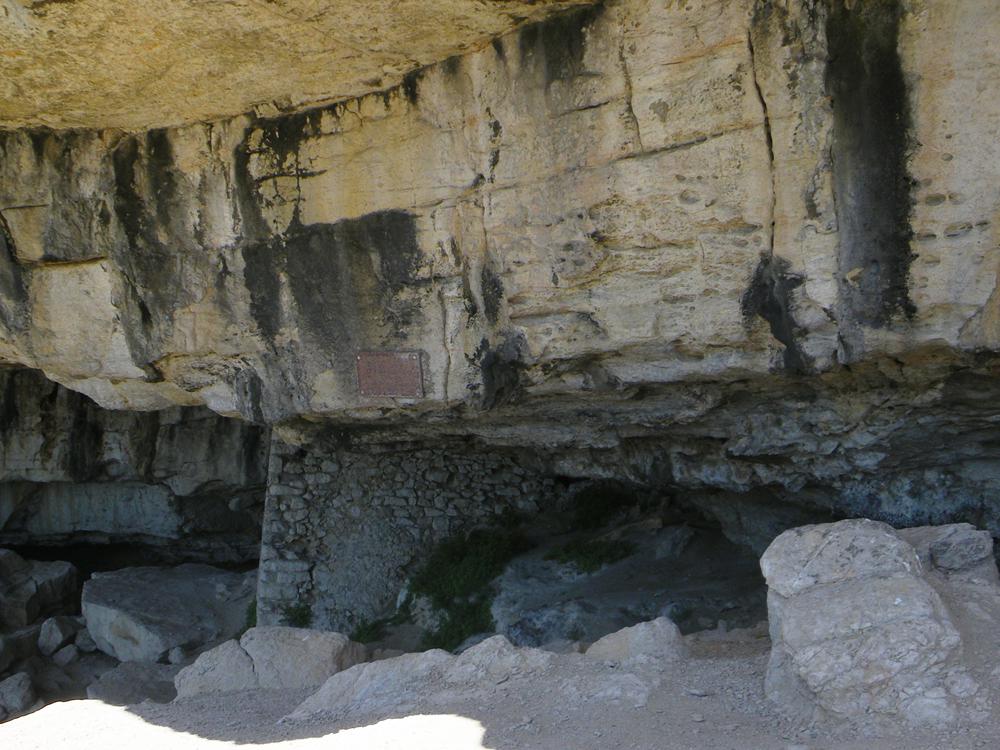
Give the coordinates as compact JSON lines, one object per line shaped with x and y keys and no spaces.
{"x":860,"y":632}
{"x":162,"y":65}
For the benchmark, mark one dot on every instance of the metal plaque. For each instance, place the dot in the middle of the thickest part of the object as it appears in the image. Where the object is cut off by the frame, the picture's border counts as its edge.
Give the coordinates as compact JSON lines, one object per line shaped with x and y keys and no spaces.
{"x":390,"y":374}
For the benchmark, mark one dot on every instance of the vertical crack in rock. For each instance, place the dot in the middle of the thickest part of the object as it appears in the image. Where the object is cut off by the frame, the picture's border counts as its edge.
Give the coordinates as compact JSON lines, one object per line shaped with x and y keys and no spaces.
{"x":444,"y":340}
{"x":768,"y":137}
{"x":769,"y":296}
{"x":628,"y":91}
{"x":872,"y":187}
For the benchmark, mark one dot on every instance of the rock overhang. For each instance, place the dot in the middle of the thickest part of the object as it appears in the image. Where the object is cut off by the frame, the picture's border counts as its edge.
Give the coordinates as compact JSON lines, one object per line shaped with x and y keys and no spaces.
{"x":99,"y":64}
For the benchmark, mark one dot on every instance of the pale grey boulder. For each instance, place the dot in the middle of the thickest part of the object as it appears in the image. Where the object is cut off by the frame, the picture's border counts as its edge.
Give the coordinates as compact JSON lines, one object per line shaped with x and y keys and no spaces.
{"x":224,"y":669}
{"x":954,"y":549}
{"x":657,"y":642}
{"x":270,"y":658}
{"x":285,"y":657}
{"x":859,"y":633}
{"x":141,"y":614}
{"x":831,"y":553}
{"x":373,"y":687}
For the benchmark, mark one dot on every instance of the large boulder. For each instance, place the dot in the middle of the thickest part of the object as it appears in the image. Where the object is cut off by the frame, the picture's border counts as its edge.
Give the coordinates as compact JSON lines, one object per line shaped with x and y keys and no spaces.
{"x":227,"y":668}
{"x":389,"y":685}
{"x":272,"y":658}
{"x":141,"y":614}
{"x":30,"y":589}
{"x":857,"y":630}
{"x":296,"y":657}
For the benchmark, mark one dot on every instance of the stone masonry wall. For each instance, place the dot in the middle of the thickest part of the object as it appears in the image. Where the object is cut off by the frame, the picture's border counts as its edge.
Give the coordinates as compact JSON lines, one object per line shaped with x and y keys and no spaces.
{"x":344,"y":527}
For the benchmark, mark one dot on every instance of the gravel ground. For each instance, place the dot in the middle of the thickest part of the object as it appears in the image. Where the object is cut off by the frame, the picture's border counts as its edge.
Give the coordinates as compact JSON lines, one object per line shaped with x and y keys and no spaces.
{"x":712,"y":700}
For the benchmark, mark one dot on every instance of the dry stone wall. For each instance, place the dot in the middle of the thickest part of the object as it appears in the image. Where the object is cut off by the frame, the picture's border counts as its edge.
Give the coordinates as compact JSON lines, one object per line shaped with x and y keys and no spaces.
{"x":344,"y":527}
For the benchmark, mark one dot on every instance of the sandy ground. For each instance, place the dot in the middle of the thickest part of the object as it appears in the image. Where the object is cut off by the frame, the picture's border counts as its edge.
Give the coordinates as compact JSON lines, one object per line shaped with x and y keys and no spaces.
{"x":712,"y":700}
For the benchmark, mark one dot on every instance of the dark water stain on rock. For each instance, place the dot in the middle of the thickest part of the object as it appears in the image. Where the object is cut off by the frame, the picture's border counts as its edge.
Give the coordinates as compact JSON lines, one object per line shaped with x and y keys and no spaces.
{"x":156,"y":243}
{"x":558,"y":43}
{"x":351,"y":273}
{"x":283,"y":135}
{"x":85,"y":441}
{"x":871,"y":132}
{"x":500,"y":367}
{"x":348,"y":282}
{"x":9,"y":413}
{"x":769,"y":296}
{"x":13,"y":284}
{"x":160,"y":175}
{"x":262,"y":266}
{"x":492,"y":289}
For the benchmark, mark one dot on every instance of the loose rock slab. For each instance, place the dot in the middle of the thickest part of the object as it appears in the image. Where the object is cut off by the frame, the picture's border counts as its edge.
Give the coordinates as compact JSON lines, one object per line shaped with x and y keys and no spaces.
{"x":270,"y":657}
{"x":140,"y":614}
{"x":857,"y":630}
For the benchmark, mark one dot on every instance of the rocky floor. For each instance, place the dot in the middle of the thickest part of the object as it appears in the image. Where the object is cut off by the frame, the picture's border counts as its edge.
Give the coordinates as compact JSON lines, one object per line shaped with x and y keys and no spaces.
{"x":711,"y":699}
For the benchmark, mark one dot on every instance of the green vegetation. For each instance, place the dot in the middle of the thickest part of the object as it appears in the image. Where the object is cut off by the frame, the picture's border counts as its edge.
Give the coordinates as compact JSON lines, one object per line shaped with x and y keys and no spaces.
{"x":251,"y":618}
{"x":461,"y":567}
{"x":369,"y":631}
{"x":588,"y":556}
{"x":457,"y":576}
{"x":374,"y":630}
{"x":297,"y":615}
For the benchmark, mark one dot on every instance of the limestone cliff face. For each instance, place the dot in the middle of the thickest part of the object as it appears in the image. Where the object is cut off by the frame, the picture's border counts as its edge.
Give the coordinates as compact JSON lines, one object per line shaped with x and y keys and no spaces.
{"x":624,"y":223}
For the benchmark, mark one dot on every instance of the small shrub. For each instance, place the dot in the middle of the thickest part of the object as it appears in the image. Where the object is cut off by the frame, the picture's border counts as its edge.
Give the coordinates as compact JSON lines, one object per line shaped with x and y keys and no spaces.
{"x":369,"y":631}
{"x":588,"y":556}
{"x":457,"y":576}
{"x":251,"y":618}
{"x":463,"y":619}
{"x":297,"y":615}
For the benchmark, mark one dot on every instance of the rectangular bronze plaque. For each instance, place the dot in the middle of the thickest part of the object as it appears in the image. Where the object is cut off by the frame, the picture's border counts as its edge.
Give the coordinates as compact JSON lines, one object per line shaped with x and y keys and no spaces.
{"x":390,"y":374}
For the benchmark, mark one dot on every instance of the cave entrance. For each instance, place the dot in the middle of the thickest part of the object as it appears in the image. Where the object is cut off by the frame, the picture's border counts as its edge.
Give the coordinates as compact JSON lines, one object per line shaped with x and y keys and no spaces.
{"x":607,"y":555}
{"x":104,"y":488}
